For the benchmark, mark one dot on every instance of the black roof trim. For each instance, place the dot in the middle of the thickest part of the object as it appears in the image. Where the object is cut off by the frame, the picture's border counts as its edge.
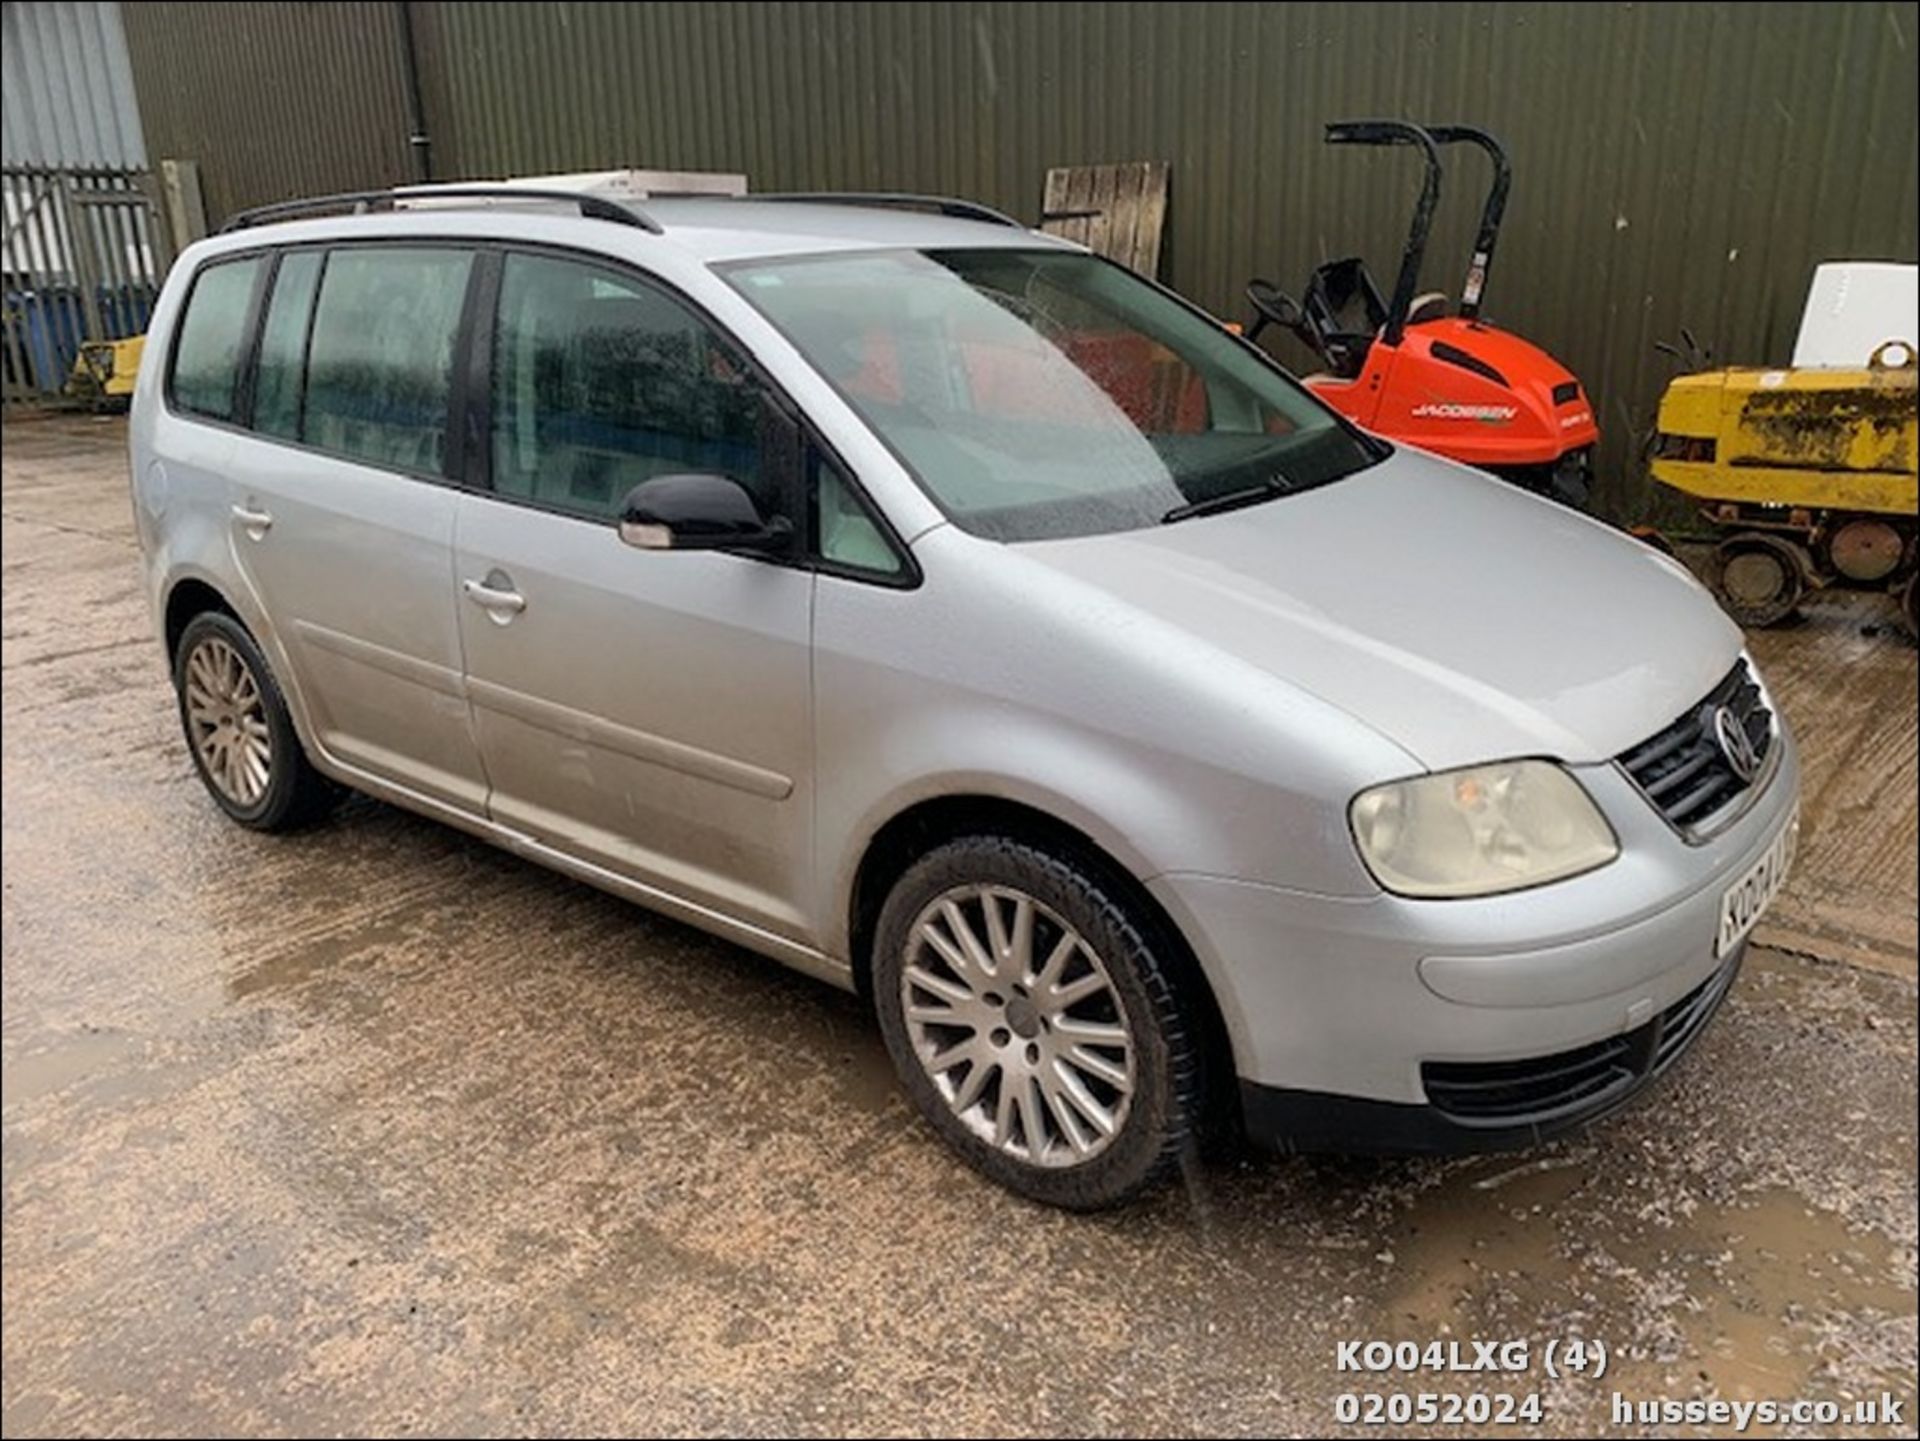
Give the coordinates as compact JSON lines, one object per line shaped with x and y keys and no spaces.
{"x":593,"y":207}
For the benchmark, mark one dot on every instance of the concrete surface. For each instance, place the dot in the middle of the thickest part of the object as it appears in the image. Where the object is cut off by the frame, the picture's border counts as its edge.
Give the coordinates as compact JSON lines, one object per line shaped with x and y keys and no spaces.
{"x":1848,"y":682}
{"x":376,"y":1128}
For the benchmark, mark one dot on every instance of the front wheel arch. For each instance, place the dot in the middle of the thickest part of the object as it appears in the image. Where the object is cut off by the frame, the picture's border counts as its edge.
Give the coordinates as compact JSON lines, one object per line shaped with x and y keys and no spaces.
{"x":929,"y":824}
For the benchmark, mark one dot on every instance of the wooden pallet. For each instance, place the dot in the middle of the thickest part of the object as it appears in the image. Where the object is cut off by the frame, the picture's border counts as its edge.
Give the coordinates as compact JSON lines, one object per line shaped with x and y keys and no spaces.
{"x":1114,"y":210}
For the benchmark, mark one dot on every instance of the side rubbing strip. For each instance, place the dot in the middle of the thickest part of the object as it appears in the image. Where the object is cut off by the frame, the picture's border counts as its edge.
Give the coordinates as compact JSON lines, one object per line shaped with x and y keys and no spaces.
{"x":656,"y":750}
{"x":410,"y":668}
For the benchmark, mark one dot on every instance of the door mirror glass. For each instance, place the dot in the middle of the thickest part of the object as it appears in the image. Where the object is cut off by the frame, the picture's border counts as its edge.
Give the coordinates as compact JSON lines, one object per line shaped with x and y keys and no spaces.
{"x":699,"y":511}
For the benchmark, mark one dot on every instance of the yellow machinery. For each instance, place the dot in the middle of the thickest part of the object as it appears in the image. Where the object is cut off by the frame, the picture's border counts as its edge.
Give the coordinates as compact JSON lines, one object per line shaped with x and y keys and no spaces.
{"x":1809,"y":474}
{"x":104,"y":372}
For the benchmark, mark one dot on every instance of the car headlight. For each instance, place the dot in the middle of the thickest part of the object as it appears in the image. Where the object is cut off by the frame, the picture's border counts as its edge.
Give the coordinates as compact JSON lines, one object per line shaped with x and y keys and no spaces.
{"x":1480,"y":831}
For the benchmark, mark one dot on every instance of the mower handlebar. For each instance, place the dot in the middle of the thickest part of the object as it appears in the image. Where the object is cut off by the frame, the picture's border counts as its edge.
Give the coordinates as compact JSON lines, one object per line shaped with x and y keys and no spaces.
{"x":1472,"y":135}
{"x":1429,"y":139}
{"x":1400,"y":132}
{"x":1382,"y":132}
{"x":1490,"y":215}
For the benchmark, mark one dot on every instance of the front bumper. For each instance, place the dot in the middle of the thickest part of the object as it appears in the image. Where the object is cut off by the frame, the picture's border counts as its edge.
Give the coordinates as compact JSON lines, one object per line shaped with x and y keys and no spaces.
{"x":1493,"y":1106}
{"x":1351,"y":1017}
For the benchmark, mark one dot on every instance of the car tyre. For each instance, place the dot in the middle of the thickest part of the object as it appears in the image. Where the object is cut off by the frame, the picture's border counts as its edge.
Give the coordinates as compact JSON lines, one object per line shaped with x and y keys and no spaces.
{"x":1043,"y":1064}
{"x":238,"y":731}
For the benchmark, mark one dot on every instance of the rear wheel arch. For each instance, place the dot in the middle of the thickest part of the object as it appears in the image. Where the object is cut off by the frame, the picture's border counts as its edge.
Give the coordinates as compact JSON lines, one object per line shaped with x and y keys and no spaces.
{"x":188,"y":597}
{"x":193,"y":594}
{"x":928,"y":824}
{"x":236,"y":725}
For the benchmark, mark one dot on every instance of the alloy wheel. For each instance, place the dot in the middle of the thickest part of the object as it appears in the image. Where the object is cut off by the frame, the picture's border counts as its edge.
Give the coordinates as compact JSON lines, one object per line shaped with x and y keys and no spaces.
{"x":1016,"y":1021}
{"x":227,"y":721}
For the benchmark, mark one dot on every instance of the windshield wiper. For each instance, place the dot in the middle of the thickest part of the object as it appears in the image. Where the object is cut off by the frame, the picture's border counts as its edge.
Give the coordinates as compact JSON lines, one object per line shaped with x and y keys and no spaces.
{"x":1267,"y":489}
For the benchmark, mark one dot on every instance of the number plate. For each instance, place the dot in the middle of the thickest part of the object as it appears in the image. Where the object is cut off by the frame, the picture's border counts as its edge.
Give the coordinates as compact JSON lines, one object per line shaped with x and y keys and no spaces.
{"x":1748,"y":897}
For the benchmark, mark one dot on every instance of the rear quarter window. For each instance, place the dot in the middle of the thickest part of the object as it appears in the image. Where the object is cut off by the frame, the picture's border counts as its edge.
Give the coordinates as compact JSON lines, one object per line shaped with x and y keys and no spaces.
{"x":212,"y":340}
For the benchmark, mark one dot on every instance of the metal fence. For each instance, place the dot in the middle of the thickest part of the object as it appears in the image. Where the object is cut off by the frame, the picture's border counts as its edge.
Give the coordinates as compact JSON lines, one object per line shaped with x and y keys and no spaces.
{"x":82,"y":260}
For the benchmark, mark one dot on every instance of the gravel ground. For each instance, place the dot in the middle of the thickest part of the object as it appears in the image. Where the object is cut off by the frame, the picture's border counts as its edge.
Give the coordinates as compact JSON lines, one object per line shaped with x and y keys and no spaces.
{"x":376,"y":1128}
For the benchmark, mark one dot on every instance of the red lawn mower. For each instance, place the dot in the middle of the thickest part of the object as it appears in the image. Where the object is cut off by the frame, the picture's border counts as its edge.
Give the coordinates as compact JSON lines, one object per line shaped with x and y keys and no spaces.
{"x":1406,"y":369}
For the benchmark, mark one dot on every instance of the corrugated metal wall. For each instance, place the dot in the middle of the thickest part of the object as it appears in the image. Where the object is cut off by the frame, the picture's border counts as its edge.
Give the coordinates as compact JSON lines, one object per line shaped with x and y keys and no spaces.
{"x":1676,"y":164}
{"x":66,"y":87}
{"x":272,"y":100}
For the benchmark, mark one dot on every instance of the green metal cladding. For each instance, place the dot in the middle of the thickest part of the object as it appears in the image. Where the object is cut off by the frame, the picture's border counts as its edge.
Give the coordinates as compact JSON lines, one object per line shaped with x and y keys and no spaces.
{"x":1675,"y":164}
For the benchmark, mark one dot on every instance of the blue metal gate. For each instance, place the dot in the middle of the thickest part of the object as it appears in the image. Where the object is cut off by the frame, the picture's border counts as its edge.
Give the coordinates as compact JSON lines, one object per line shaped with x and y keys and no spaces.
{"x":82,"y":258}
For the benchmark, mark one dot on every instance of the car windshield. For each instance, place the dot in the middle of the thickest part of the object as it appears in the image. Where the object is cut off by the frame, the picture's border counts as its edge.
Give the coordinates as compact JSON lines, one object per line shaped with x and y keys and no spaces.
{"x":1047,"y":393}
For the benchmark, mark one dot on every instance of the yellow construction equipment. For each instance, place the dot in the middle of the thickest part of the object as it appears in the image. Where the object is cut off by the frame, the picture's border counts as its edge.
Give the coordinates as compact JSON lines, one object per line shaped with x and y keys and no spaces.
{"x":1809,"y":474}
{"x":104,"y":372}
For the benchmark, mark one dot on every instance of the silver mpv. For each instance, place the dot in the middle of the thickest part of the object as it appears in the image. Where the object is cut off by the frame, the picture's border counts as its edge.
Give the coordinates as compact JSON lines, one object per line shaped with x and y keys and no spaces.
{"x":957,"y":617}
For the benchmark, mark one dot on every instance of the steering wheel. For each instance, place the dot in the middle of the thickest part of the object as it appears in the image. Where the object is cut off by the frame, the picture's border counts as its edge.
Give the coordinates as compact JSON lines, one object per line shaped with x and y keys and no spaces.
{"x":1274,"y":305}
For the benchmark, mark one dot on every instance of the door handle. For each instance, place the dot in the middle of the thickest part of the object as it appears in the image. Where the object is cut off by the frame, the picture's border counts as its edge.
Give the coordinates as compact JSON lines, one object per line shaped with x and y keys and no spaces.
{"x":496,"y":596}
{"x":256,"y":522}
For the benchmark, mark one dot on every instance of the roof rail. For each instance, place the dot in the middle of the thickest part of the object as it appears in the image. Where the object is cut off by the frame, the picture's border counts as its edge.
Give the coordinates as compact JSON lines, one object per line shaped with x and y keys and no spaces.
{"x":593,"y":207}
{"x":896,"y":200}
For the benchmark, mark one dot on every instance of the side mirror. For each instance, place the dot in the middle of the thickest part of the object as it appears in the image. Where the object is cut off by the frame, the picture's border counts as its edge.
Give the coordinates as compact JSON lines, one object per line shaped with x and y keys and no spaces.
{"x":698,"y":512}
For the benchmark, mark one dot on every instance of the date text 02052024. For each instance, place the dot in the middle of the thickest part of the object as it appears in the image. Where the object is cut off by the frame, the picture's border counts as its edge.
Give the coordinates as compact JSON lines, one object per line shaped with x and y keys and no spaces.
{"x":1438,"y":1408}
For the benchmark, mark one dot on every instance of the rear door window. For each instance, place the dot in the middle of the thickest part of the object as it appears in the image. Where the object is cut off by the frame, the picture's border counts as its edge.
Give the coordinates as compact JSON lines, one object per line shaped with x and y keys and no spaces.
{"x":213,"y":334}
{"x":380,"y":361}
{"x":281,"y":368}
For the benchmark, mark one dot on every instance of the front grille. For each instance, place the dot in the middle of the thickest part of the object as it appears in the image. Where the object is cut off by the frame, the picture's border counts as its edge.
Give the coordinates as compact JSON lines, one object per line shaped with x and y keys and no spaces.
{"x":1685,"y":770}
{"x":1566,"y":392}
{"x":1532,"y":1091}
{"x":1568,"y":1085}
{"x":1683,"y":1021}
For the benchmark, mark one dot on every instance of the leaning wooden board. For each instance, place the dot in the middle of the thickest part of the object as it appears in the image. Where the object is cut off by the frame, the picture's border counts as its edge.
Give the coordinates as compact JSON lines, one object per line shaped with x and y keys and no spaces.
{"x":1114,"y":210}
